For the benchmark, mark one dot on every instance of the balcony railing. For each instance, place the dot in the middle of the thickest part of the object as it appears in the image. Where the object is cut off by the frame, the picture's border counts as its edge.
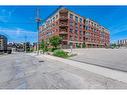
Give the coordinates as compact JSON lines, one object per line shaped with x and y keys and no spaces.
{"x":63,"y":32}
{"x":63,"y":17}
{"x":63,"y":11}
{"x":63,"y":24}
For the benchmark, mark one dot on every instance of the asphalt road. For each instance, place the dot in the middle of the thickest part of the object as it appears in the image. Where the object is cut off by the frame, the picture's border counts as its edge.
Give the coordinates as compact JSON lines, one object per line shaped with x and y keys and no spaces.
{"x":25,"y":71}
{"x":109,"y":58}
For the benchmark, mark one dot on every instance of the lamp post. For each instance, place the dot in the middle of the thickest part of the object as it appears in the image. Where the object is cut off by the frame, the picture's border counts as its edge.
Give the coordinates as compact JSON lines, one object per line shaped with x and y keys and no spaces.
{"x":25,"y":43}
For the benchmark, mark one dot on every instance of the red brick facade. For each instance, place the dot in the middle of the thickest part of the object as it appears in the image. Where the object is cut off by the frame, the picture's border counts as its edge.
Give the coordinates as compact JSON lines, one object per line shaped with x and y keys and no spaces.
{"x":75,"y":30}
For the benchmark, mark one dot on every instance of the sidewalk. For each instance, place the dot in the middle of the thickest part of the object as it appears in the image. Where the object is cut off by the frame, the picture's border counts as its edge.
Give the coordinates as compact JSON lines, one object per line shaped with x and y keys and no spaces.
{"x":113,"y":74}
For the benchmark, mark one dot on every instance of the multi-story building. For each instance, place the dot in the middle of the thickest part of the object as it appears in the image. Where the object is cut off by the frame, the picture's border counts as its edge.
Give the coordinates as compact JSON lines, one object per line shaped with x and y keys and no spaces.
{"x":3,"y":42}
{"x":95,"y":35}
{"x":122,"y":42}
{"x":75,"y":30}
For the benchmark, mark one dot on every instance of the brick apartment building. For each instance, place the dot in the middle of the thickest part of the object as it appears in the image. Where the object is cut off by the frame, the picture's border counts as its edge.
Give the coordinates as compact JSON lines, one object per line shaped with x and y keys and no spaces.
{"x":74,"y":29}
{"x":3,"y":42}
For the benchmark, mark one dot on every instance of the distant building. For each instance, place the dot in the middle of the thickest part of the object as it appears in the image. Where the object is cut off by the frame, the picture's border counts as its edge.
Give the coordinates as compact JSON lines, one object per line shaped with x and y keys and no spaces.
{"x":35,"y":46}
{"x":122,"y":42}
{"x":3,"y":42}
{"x":75,"y":30}
{"x":17,"y":46}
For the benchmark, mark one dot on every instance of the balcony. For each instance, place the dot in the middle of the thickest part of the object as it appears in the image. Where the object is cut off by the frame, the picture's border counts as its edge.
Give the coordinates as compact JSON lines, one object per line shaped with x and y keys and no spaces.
{"x":63,"y":24}
{"x":64,"y":37}
{"x":63,"y":11}
{"x":63,"y":18}
{"x":87,"y":36}
{"x":63,"y":32}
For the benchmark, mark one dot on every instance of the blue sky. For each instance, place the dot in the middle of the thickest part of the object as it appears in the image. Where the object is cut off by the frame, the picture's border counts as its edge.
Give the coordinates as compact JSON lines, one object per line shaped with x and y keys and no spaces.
{"x":18,"y":22}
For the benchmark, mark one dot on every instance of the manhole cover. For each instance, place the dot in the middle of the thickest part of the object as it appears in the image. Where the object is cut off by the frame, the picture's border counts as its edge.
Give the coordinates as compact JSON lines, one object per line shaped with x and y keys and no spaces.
{"x":41,"y":61}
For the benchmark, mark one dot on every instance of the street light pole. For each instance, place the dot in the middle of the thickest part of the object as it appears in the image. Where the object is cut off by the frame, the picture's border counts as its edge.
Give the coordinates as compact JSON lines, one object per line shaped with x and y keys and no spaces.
{"x":25,"y":42}
{"x":38,"y":20}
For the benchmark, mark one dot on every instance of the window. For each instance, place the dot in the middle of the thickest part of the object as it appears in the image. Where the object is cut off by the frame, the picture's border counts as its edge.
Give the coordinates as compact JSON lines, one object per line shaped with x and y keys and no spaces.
{"x":53,"y":24}
{"x":76,"y":28}
{"x":87,"y":27}
{"x":80,"y":26}
{"x":97,"y":26}
{"x":102,"y":34}
{"x":71,"y":16}
{"x":76,"y":18}
{"x":56,"y":16}
{"x":91,"y":23}
{"x":76,"y":24}
{"x":76,"y":31}
{"x":80,"y":20}
{"x":80,"y":32}
{"x":56,"y":23}
{"x":86,"y":22}
{"x":71,"y":38}
{"x":71,"y":24}
{"x":87,"y":34}
{"x":71,"y":30}
{"x":53,"y":18}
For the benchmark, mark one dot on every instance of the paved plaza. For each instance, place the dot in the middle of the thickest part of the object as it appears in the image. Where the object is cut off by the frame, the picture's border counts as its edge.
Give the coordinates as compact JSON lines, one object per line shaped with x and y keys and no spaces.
{"x":27,"y":71}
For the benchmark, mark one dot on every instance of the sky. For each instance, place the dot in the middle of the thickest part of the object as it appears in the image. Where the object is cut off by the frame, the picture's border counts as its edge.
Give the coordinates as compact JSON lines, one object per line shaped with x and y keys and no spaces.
{"x":18,"y":22}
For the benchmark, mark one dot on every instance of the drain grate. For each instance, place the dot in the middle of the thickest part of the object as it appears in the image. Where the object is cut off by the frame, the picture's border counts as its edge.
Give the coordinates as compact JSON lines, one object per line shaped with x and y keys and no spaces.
{"x":41,"y":61}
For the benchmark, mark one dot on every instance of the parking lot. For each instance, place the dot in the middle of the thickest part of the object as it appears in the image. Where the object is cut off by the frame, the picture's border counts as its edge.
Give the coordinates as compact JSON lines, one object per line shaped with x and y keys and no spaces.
{"x":27,"y":71}
{"x":109,"y":58}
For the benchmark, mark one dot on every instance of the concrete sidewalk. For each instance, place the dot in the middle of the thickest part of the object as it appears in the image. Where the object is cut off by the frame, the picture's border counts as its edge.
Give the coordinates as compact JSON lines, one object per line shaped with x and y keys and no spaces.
{"x":113,"y":74}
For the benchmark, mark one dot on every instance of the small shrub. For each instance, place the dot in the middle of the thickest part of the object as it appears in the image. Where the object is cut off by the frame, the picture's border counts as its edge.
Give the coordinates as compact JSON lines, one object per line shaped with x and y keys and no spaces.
{"x":50,"y":49}
{"x":83,"y":45}
{"x":60,"y":53}
{"x":78,"y":46}
{"x":53,"y":49}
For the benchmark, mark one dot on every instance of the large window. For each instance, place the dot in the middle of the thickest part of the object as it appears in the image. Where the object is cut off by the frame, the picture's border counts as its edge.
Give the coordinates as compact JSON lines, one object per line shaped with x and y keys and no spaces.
{"x":76,"y":18}
{"x":56,"y":16}
{"x":71,"y":16}
{"x":87,"y":34}
{"x":53,"y":18}
{"x":76,"y":25}
{"x":80,"y":20}
{"x":71,"y":38}
{"x":94,"y":30}
{"x":76,"y":31}
{"x":87,"y":27}
{"x":71,"y":23}
{"x":102,"y":34}
{"x":80,"y":26}
{"x":71,"y":30}
{"x":81,"y":32}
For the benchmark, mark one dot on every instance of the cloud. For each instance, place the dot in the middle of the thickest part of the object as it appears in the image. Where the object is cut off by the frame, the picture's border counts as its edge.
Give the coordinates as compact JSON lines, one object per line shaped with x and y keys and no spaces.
{"x":19,"y":35}
{"x":5,"y":15}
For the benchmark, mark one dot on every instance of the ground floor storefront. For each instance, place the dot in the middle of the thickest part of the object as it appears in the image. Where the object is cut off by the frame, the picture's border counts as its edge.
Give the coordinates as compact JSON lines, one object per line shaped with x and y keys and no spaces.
{"x":74,"y":44}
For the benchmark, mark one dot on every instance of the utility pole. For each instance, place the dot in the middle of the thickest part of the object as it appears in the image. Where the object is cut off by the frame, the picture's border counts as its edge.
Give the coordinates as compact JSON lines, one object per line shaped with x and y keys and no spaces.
{"x":25,"y":42}
{"x":38,"y":20}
